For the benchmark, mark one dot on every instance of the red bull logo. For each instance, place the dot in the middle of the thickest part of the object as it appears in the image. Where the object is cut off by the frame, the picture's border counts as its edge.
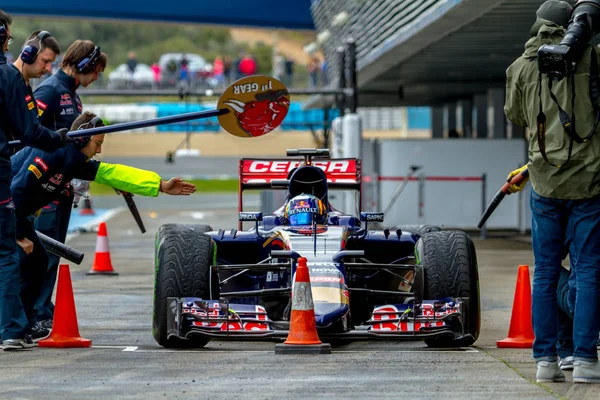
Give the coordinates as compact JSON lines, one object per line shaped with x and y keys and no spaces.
{"x":261,"y":116}
{"x":301,"y":204}
{"x":257,"y":105}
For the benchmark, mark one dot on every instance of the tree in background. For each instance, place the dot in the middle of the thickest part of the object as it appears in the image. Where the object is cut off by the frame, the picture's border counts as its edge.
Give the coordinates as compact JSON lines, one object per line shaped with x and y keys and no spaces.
{"x":149,"y":40}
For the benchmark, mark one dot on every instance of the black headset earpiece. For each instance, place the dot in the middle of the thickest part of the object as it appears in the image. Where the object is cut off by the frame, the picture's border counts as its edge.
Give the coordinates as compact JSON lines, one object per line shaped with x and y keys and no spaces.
{"x":95,"y":121}
{"x":81,"y":142}
{"x":29,"y":52}
{"x":89,"y":62}
{"x":3,"y":34}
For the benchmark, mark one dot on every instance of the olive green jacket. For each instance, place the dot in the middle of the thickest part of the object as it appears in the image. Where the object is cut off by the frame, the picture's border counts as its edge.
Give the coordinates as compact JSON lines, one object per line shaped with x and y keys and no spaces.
{"x":580,"y":177}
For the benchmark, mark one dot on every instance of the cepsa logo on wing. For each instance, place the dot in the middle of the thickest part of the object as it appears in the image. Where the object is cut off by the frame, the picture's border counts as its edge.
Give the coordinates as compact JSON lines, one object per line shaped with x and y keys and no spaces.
{"x":286,"y":166}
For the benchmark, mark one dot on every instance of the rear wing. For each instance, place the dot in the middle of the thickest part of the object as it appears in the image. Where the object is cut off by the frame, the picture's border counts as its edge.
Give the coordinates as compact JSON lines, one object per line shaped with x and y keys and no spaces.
{"x":341,"y":173}
{"x":256,"y":173}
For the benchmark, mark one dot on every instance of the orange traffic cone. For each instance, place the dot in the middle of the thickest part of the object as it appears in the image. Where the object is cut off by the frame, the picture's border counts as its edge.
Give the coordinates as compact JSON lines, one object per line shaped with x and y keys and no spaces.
{"x":520,"y":333}
{"x":102,"y":263}
{"x":302,"y":337}
{"x":65,"y":332}
{"x":87,"y":207}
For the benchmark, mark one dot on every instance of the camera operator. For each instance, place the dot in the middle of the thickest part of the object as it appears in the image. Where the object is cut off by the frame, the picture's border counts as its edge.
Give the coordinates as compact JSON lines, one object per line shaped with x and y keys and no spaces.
{"x":553,"y":90}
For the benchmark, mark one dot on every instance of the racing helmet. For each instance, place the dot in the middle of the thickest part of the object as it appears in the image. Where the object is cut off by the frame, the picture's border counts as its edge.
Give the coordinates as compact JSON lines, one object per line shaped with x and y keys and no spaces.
{"x":305,"y":209}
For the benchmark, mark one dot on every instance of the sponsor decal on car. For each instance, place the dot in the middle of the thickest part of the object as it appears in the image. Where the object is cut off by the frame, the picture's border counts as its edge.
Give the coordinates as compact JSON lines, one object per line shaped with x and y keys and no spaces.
{"x":287,"y":166}
{"x":264,"y":171}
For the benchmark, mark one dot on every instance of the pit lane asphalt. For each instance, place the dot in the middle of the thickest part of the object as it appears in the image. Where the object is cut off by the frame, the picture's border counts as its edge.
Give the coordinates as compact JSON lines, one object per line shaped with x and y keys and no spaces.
{"x":125,"y":362}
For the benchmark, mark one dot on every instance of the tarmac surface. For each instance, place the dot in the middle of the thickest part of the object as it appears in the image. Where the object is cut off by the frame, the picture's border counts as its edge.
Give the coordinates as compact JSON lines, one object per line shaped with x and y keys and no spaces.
{"x":125,"y":362}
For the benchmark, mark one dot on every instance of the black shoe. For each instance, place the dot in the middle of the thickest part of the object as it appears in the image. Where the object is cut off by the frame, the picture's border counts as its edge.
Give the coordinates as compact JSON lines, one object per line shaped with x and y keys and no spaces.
{"x":18,"y":344}
{"x":38,"y":332}
{"x":47,"y":323}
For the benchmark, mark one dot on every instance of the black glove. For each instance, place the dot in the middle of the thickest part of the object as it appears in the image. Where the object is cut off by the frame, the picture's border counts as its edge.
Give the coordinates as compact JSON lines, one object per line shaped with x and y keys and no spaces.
{"x":64,"y":137}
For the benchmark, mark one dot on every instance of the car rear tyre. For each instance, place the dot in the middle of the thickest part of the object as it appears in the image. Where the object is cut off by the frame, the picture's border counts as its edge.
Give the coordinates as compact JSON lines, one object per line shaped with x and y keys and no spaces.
{"x":450,"y":264}
{"x":184,"y":258}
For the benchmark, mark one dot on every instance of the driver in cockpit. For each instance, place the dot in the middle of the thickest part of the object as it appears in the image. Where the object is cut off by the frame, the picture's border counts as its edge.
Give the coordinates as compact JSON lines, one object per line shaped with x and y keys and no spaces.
{"x":304,"y":210}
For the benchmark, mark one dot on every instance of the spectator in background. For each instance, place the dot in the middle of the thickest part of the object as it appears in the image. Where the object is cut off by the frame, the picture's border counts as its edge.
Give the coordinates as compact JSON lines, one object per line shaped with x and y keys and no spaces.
{"x":184,"y":75}
{"x":156,"y":71}
{"x":218,"y":70}
{"x":236,"y":66}
{"x":289,"y":71}
{"x":313,"y":72}
{"x":278,"y":66}
{"x":227,"y":69}
{"x":247,"y":65}
{"x":324,"y":70}
{"x":131,"y":63}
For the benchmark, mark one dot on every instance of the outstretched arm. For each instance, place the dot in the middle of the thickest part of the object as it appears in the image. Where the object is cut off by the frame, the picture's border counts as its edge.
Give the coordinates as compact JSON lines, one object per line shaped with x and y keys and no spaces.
{"x":177,"y":187}
{"x":138,"y":181}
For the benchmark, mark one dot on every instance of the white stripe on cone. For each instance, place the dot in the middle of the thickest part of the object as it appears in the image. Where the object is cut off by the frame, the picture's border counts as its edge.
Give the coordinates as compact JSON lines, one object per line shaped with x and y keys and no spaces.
{"x":102,"y":244}
{"x":302,"y":297}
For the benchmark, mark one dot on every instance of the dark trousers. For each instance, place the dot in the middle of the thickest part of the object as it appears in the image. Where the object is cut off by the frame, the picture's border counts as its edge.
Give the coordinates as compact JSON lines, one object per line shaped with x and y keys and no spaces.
{"x":52,"y":222}
{"x":33,"y":272}
{"x":13,"y":321}
{"x":577,"y":223}
{"x":565,"y":294}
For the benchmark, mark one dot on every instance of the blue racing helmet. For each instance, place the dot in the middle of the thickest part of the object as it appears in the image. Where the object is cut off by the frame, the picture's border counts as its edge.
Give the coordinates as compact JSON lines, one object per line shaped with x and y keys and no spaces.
{"x":304,"y":210}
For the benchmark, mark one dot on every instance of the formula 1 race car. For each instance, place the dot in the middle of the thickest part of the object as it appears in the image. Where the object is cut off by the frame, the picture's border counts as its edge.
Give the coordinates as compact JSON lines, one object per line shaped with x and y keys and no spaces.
{"x":405,"y":282}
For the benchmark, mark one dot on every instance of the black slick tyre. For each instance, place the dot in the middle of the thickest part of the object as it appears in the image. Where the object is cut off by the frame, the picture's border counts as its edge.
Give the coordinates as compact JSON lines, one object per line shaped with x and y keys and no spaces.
{"x":450,"y":265}
{"x":184,"y":258}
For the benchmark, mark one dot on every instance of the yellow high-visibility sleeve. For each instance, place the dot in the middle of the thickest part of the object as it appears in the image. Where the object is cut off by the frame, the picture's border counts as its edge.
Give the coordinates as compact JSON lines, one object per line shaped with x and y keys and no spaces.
{"x":129,"y":179}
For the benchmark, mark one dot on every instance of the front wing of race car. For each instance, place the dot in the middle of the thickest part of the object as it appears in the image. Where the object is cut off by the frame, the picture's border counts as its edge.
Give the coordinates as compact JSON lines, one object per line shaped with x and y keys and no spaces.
{"x":191,"y":316}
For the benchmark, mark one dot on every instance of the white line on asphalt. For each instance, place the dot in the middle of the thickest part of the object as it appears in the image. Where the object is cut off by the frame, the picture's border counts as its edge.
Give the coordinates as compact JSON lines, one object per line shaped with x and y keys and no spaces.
{"x":130,"y":348}
{"x":102,"y":218}
{"x":198,"y":215}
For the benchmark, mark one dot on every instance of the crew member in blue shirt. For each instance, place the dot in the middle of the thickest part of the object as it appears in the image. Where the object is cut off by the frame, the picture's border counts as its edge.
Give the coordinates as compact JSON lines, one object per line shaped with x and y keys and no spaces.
{"x":58,"y":106}
{"x":18,"y":120}
{"x":40,"y":177}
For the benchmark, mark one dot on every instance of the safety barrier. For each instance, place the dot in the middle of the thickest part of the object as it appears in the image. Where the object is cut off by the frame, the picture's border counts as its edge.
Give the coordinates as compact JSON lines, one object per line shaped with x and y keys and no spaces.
{"x":271,"y":200}
{"x":422,"y":179}
{"x":298,"y":119}
{"x":118,"y":113}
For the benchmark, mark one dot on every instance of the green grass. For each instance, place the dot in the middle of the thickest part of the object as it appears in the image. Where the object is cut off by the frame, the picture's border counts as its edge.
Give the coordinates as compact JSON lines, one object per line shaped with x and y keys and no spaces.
{"x":202,"y":186}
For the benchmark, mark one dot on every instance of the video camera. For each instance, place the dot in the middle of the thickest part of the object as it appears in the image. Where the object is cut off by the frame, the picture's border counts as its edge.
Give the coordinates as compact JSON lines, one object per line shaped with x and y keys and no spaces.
{"x":560,"y":61}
